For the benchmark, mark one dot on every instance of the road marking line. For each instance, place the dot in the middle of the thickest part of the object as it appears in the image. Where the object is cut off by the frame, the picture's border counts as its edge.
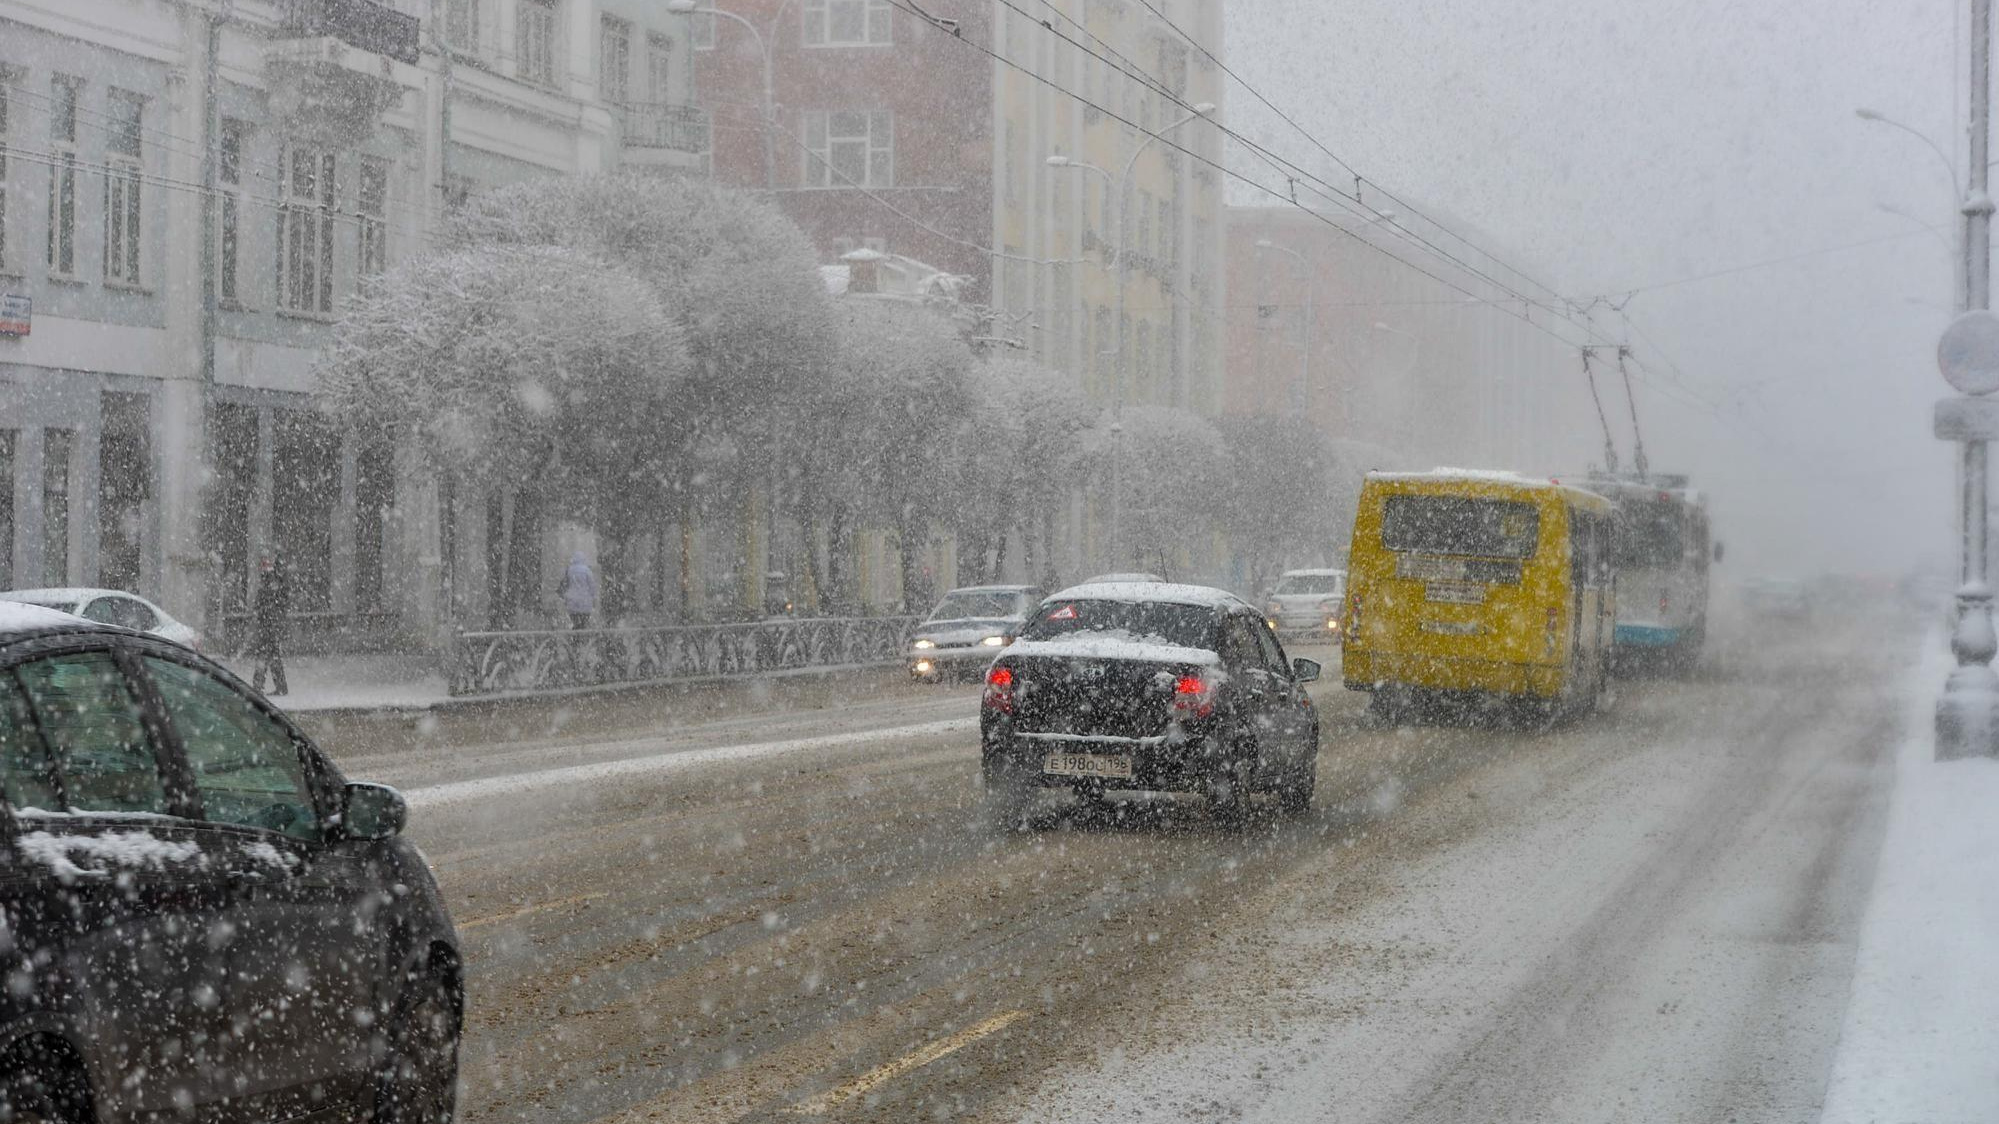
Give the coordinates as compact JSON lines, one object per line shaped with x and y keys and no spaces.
{"x":527,"y":909}
{"x":841,"y":1094}
{"x":505,"y":784}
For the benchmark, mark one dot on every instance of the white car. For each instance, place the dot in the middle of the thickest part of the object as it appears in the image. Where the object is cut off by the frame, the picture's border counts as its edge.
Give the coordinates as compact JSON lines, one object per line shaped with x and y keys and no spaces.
{"x":1307,"y":601}
{"x":110,"y":606}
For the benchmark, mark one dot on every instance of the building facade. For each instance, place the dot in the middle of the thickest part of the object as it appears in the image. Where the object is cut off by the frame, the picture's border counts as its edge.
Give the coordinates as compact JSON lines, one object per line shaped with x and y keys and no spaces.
{"x":1128,"y":216}
{"x":857,"y":117}
{"x":1331,"y":317}
{"x":187,"y":193}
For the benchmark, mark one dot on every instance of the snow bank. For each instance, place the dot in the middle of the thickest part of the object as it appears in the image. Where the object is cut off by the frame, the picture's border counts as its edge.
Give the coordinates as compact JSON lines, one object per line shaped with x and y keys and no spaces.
{"x":1920,"y":1037}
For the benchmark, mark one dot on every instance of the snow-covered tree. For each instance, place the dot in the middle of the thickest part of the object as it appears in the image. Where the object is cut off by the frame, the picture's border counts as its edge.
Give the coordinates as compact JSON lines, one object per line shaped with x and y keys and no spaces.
{"x":1021,"y":464}
{"x":878,"y":436}
{"x":1288,"y":499}
{"x":1171,"y":468}
{"x":537,"y":370}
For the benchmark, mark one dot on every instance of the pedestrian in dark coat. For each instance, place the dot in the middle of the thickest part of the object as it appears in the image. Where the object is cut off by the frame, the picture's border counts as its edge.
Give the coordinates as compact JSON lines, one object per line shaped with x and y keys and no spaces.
{"x":578,"y":591}
{"x":270,"y":617}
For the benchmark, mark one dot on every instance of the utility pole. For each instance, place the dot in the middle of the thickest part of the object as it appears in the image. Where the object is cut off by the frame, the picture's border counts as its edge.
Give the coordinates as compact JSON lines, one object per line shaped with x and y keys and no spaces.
{"x":1967,"y":716}
{"x":213,"y":596}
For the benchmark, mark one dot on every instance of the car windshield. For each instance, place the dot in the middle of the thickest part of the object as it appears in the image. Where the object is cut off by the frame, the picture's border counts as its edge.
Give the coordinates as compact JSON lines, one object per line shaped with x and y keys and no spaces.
{"x":1185,"y":626}
{"x":977,"y":604}
{"x":1301,"y":584}
{"x":1460,"y":525}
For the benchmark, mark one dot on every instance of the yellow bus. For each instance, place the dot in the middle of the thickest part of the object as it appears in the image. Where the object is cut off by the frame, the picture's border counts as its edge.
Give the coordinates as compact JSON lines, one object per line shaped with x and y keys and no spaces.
{"x":1479,"y":587}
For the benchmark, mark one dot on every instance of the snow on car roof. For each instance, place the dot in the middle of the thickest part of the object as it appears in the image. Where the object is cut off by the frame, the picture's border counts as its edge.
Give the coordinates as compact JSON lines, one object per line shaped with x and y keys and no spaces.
{"x":19,"y":616}
{"x":55,"y":593}
{"x":1169,"y":592}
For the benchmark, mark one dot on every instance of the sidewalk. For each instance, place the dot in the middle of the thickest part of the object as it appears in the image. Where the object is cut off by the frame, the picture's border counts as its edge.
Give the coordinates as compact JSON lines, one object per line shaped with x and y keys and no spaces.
{"x":386,"y":681}
{"x":1921,"y":1036}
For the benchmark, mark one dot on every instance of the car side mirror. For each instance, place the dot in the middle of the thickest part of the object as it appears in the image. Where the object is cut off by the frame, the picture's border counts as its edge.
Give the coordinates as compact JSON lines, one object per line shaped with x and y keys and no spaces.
{"x":1304,"y":670}
{"x":1717,"y":551}
{"x":372,"y":811}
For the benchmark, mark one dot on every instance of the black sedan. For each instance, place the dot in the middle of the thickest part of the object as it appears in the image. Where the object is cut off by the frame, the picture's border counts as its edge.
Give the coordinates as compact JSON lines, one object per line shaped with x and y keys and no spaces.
{"x":200,"y":919}
{"x":1150,"y":686}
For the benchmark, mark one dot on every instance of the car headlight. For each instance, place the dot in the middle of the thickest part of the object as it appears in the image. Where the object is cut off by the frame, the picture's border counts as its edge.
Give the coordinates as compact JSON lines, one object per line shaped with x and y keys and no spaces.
{"x":920,"y":644}
{"x":922,"y":667}
{"x":994,"y":641}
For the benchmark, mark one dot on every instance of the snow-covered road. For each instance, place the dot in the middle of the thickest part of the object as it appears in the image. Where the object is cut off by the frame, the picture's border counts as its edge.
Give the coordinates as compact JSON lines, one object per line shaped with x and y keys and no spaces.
{"x":1648,"y":914}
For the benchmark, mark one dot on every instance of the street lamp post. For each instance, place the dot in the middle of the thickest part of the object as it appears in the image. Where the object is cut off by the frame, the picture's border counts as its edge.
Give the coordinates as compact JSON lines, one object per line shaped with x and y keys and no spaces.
{"x":1966,"y":722}
{"x":1298,"y":393}
{"x":1123,"y":251}
{"x":769,"y":108}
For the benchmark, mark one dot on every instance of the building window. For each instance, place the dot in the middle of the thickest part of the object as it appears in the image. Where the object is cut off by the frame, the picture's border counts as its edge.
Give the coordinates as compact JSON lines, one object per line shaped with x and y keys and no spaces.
{"x":62,"y":176}
{"x":614,"y":60}
{"x":461,"y":24}
{"x":124,"y":487}
{"x":305,"y":231}
{"x":372,"y":202}
{"x":57,"y":447}
{"x":122,"y":196}
{"x":233,"y":444}
{"x":228,"y":230}
{"x":305,"y":485}
{"x":701,"y":29}
{"x":846,"y":23}
{"x":374,"y":499}
{"x":537,"y":41}
{"x":849,"y":148}
{"x":659,"y":70}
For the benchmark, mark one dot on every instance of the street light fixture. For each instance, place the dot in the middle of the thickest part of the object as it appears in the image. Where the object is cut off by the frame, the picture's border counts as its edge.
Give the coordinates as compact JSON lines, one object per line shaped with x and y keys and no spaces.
{"x":769,"y":107}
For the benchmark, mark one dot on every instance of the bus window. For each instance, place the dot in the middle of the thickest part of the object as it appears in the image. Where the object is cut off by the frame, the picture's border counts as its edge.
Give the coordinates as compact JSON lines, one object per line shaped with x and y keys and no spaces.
{"x":1430,"y":524}
{"x":1654,"y":535}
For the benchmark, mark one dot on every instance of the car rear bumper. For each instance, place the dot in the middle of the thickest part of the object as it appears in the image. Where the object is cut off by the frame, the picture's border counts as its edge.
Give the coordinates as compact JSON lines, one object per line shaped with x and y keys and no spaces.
{"x":1159,"y":764}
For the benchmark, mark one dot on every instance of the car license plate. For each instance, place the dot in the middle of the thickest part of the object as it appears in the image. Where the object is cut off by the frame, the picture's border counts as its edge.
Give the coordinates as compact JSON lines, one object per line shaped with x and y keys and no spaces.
{"x":1088,"y":765}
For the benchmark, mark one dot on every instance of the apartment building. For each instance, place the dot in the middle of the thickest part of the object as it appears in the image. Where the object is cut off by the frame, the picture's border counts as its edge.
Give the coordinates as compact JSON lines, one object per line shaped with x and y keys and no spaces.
{"x":866,"y":123}
{"x":1107,"y":194}
{"x":187,"y":193}
{"x":1347,"y":319}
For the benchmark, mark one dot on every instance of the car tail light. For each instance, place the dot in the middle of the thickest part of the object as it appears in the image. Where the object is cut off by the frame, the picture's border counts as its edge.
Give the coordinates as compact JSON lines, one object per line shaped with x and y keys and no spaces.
{"x":1194,"y":695}
{"x":999,"y":689}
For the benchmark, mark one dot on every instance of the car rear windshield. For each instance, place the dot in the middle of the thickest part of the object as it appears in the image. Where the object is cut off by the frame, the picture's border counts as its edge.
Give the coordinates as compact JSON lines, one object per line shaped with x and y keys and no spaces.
{"x":1186,"y":626}
{"x":1308,"y":583}
{"x":1460,"y":525}
{"x":1650,"y":534}
{"x":968,"y":606}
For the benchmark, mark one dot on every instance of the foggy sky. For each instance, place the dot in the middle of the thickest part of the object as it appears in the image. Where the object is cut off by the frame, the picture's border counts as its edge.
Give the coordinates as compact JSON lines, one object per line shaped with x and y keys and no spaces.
{"x":1643,"y":143}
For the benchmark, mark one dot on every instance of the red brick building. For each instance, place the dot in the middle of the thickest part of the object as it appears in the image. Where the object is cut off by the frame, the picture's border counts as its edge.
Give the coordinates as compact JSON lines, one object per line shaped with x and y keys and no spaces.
{"x":882,"y":126}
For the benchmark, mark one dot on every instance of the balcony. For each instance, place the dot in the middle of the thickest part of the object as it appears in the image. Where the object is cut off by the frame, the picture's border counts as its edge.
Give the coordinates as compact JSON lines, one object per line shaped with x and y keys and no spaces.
{"x":363,"y":24}
{"x":671,"y":128}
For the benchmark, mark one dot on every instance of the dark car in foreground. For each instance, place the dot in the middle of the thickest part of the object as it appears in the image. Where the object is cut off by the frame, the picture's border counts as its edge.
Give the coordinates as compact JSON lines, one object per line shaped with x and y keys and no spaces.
{"x":1147,"y":686}
{"x":968,"y":628}
{"x":200,"y":918}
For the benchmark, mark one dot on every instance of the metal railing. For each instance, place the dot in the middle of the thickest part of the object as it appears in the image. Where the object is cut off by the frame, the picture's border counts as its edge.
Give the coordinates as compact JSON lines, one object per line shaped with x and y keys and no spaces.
{"x":359,"y":23}
{"x":678,"y":128}
{"x":494,"y":663}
